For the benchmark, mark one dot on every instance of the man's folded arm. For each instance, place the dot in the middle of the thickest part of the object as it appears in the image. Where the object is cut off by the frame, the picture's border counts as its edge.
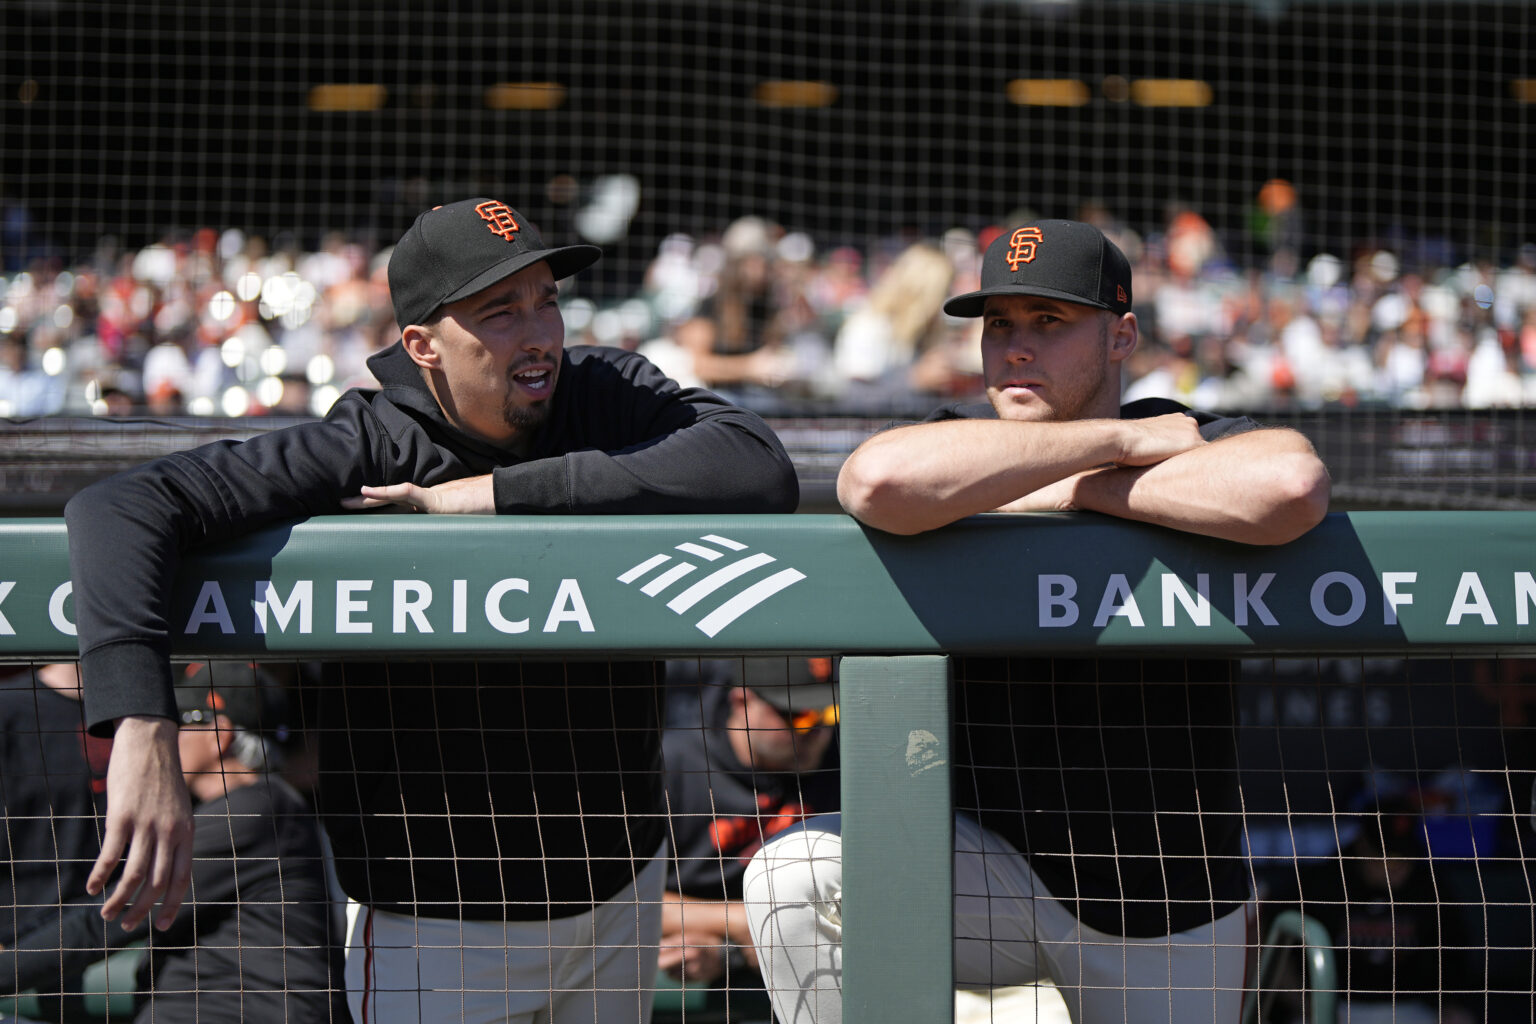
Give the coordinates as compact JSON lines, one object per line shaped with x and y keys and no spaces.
{"x":927,"y":475}
{"x":688,"y":451}
{"x":1259,"y":487}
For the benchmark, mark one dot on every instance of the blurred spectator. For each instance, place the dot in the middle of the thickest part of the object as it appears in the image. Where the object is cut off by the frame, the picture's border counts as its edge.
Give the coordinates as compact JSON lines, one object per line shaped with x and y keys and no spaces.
{"x":52,"y":791}
{"x":1275,"y":223}
{"x":1493,"y":375}
{"x":756,"y":756}
{"x":737,"y":340}
{"x":1514,"y":291}
{"x":1396,"y":941}
{"x":167,"y":376}
{"x":259,"y":942}
{"x":900,"y":323}
{"x":839,"y":287}
{"x":1190,"y":242}
{"x":25,"y":390}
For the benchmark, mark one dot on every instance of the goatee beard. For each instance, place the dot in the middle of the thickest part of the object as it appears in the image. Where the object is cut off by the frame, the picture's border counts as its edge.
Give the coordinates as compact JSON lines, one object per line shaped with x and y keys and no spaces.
{"x":525,"y":419}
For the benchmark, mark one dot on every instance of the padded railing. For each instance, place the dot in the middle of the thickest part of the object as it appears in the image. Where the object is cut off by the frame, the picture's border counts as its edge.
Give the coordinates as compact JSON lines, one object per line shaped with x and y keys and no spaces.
{"x":895,"y":608}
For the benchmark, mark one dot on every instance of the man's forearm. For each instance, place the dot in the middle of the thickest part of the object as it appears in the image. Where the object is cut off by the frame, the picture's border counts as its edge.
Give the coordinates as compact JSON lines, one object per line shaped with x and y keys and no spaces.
{"x":1260,"y":487}
{"x":725,"y":918}
{"x":924,"y":476}
{"x":712,"y":466}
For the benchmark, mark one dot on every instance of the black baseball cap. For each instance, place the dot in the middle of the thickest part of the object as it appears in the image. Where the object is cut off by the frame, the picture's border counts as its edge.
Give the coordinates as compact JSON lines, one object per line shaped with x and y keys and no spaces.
{"x":1057,"y":259}
{"x":454,"y":251}
{"x":791,"y":684}
{"x":246,"y":695}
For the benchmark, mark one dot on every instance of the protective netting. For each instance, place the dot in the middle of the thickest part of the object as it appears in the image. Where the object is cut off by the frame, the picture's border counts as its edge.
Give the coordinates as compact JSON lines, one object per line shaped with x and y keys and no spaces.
{"x":1377,"y":808}
{"x":1325,"y":203}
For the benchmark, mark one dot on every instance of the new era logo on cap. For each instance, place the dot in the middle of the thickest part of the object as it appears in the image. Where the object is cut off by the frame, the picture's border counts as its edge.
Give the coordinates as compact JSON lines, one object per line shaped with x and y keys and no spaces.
{"x":1056,"y":259}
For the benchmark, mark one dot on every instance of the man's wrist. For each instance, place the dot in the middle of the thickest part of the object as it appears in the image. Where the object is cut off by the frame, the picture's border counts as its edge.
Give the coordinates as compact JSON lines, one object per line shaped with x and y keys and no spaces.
{"x":1104,"y":489}
{"x":146,"y":725}
{"x":1122,"y":434}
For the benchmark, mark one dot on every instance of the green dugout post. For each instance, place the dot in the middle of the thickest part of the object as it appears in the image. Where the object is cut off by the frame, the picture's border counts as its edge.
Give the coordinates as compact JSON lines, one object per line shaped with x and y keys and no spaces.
{"x":894,"y":733}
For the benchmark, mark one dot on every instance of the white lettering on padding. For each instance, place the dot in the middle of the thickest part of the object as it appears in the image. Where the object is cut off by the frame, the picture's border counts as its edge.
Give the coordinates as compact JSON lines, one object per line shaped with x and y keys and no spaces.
{"x":569,"y":606}
{"x":210,"y":608}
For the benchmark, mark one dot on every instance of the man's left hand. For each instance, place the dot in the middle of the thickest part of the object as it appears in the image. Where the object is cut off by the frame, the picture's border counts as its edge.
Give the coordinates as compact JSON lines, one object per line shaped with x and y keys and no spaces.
{"x":470,"y":496}
{"x":693,"y":956}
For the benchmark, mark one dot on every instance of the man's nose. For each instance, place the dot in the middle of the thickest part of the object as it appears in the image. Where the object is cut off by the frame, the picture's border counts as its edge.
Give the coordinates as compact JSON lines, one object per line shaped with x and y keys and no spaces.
{"x":543,"y":336}
{"x":1020,"y":348}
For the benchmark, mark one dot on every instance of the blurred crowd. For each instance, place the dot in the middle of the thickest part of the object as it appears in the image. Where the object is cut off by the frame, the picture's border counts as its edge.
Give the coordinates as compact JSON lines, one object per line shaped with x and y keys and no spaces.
{"x":212,"y":324}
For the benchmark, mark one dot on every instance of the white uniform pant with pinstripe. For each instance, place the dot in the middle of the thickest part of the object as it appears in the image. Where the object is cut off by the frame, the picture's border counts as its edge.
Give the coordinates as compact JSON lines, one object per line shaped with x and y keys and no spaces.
{"x":1008,"y":931}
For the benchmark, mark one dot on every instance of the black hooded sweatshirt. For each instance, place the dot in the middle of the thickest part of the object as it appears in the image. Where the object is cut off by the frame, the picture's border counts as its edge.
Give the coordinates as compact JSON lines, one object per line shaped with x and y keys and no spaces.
{"x":507,"y":791}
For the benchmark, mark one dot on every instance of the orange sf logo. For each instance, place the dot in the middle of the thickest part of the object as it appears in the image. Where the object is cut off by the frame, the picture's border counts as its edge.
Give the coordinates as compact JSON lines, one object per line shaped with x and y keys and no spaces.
{"x":498,"y":216}
{"x":1021,"y":247}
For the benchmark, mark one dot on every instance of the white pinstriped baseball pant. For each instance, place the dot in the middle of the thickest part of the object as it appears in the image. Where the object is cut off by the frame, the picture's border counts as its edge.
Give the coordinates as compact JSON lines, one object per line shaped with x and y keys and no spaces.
{"x":1008,"y":931}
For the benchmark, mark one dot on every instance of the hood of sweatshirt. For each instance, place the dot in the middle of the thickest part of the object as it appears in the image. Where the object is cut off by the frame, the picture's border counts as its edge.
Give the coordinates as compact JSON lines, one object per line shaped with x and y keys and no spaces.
{"x":400,"y":381}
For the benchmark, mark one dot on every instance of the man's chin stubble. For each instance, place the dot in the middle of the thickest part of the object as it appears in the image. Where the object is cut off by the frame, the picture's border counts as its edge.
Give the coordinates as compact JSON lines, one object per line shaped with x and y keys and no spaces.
{"x":525,"y":419}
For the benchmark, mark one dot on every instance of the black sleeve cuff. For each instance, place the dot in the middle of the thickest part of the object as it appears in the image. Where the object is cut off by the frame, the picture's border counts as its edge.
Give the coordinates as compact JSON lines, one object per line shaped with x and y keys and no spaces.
{"x":130,"y":678}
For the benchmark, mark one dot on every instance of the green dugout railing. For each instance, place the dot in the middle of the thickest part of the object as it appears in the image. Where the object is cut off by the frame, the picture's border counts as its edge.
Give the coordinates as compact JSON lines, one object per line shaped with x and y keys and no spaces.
{"x":388,"y":585}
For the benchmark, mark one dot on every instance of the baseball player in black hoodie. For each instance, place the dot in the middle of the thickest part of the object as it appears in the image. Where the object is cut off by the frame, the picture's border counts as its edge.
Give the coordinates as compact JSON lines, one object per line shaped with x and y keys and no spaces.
{"x":478,"y":863}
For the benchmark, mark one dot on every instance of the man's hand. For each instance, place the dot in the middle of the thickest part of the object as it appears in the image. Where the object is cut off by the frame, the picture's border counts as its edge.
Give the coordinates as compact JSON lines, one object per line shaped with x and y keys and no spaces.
{"x":1146,"y":442}
{"x":471,"y":495}
{"x":1257,"y":487}
{"x":150,"y":815}
{"x":699,"y":935}
{"x":693,"y":956}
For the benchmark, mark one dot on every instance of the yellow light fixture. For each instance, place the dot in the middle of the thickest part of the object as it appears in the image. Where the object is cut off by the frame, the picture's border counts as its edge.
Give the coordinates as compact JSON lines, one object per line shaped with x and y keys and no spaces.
{"x":1048,"y":92}
{"x":347,"y":96}
{"x":1170,"y":92}
{"x":788,"y":94}
{"x":525,"y":96}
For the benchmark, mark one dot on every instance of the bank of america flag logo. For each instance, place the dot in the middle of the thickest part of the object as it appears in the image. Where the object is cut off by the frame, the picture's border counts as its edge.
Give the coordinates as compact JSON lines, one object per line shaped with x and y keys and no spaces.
{"x":719,"y":594}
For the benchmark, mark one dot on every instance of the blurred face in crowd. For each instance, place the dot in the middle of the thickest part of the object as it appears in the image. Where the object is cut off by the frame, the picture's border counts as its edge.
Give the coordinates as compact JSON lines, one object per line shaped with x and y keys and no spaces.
{"x":773,"y":743}
{"x":1045,"y":359}
{"x":202,"y":747}
{"x":492,"y":359}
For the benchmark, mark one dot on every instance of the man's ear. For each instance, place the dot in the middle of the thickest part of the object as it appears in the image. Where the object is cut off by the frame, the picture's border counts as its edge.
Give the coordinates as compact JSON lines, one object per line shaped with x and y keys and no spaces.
{"x":1123,"y":336}
{"x":421,"y":345}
